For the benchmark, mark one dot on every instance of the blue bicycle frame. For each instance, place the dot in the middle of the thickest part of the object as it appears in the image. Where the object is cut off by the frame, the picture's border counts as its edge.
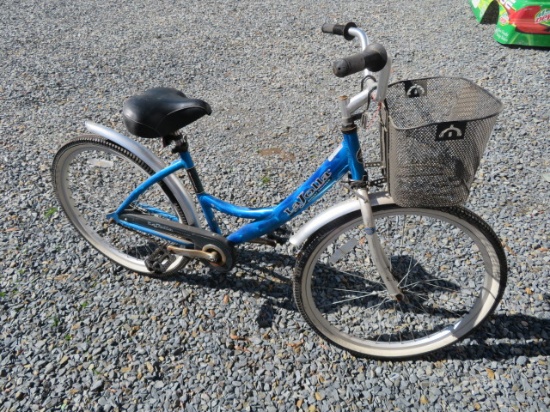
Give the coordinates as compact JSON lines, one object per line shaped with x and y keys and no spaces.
{"x":346,"y":158}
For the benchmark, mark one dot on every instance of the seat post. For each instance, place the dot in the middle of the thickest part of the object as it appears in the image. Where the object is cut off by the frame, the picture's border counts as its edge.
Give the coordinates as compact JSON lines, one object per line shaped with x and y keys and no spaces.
{"x":198,"y":188}
{"x":182,"y":147}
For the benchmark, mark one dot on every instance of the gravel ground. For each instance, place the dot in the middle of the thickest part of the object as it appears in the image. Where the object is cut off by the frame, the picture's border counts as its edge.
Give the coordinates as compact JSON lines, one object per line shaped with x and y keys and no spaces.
{"x":79,"y":334}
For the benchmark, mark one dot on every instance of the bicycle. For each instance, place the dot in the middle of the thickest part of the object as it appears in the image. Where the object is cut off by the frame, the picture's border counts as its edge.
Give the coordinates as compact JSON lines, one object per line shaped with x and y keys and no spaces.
{"x":388,"y":274}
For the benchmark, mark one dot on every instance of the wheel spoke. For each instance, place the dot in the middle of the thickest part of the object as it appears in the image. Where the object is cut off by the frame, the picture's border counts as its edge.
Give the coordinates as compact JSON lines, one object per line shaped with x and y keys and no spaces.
{"x":352,"y":298}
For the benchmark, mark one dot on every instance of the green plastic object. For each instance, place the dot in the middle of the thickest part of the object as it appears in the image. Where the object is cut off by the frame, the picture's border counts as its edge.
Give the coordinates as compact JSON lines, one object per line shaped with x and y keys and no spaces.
{"x":484,"y":10}
{"x":519,"y":22}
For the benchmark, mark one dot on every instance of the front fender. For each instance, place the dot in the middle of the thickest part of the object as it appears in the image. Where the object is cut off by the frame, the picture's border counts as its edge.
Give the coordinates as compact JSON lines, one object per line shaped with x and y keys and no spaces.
{"x":154,"y":162}
{"x":336,"y":211}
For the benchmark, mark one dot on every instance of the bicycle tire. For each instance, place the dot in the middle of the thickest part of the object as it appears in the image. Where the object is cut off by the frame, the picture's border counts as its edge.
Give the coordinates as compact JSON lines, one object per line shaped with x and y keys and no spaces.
{"x":453,"y":275}
{"x":91,"y":177}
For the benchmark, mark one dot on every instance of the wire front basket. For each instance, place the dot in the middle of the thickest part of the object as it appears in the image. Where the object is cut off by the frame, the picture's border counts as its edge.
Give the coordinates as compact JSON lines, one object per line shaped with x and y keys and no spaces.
{"x":435,"y":131}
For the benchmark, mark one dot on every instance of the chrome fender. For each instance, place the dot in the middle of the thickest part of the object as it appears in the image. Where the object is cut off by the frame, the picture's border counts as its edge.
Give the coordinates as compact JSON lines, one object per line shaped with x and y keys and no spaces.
{"x":334,"y":212}
{"x":154,"y":162}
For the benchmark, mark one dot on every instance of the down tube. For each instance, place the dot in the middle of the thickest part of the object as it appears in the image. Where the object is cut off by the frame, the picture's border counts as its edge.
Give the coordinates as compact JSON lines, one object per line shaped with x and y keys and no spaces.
{"x":330,"y":172}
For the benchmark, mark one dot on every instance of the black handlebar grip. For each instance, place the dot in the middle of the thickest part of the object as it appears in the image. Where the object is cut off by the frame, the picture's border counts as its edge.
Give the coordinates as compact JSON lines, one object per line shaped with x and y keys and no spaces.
{"x":373,"y":58}
{"x":339,"y":29}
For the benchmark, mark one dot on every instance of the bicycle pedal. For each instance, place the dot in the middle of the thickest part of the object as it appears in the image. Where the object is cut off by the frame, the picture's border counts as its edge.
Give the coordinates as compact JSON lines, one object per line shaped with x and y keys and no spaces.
{"x":160,"y":260}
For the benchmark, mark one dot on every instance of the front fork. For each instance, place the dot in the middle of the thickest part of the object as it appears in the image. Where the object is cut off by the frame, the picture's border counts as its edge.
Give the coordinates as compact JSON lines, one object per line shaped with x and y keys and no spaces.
{"x":359,"y":176}
{"x":379,"y":257}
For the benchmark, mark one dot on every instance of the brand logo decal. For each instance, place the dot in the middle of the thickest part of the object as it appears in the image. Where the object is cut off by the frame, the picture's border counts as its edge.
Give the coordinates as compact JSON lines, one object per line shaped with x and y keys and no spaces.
{"x":160,"y":226}
{"x":417,"y":88}
{"x":451,"y":131}
{"x":303,"y":197}
{"x":543,"y":17}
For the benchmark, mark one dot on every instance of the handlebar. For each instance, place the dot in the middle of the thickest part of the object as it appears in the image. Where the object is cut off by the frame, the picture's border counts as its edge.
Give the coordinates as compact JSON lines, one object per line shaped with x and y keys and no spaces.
{"x":339,"y":29}
{"x":373,"y":58}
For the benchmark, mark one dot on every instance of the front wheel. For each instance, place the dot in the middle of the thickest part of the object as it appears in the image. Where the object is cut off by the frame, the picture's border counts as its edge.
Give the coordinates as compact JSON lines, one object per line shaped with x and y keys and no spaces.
{"x":448,"y":262}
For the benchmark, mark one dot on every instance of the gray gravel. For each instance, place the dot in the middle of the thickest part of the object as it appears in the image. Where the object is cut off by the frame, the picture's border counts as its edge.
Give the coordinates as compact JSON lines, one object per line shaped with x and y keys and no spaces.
{"x":79,"y":334}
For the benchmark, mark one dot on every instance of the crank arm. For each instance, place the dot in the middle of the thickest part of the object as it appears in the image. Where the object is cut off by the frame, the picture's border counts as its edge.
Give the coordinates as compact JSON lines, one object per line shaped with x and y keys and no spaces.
{"x":213,"y":256}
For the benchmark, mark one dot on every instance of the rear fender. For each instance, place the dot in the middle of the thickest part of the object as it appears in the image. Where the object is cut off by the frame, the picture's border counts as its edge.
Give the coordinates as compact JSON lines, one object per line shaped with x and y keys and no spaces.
{"x":154,"y":162}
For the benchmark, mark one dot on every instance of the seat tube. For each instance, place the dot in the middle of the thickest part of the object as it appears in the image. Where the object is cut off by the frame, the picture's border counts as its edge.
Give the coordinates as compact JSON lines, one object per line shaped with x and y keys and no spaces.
{"x":199,"y":190}
{"x":192,"y":172}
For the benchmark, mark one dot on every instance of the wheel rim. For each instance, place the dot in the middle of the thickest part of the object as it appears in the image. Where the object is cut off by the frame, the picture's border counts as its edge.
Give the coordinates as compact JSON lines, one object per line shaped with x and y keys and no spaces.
{"x":92,"y":180}
{"x":430,"y":317}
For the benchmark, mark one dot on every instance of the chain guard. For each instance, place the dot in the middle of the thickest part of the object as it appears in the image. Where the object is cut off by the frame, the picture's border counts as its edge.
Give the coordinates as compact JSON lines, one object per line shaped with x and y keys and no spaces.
{"x":200,"y":239}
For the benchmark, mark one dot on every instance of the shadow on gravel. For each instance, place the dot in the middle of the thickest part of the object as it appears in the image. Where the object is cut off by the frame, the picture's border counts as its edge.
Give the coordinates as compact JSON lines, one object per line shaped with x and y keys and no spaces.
{"x":256,"y":275}
{"x":502,"y":337}
{"x":523,"y":335}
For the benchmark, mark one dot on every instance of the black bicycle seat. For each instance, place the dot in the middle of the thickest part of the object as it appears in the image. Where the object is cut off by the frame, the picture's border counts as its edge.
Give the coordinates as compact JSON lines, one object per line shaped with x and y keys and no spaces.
{"x":161,"y":111}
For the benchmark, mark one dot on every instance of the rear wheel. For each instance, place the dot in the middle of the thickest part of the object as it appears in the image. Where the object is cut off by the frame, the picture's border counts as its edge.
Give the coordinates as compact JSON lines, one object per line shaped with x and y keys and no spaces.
{"x":449,"y":265}
{"x":92,"y":176}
